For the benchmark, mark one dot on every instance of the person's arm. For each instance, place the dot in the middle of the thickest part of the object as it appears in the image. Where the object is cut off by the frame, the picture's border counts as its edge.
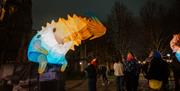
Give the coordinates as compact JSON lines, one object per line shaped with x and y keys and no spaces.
{"x":86,"y":72}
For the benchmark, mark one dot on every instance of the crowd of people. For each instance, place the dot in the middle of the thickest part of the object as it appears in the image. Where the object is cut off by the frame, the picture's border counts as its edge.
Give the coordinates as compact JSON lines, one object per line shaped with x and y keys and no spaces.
{"x":127,"y":69}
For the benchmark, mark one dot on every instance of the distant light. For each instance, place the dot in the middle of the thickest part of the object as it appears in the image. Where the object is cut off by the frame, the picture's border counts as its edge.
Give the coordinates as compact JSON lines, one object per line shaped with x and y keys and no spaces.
{"x":139,"y":62}
{"x":80,"y":63}
{"x":168,"y":55}
{"x":144,"y":62}
{"x":169,"y":61}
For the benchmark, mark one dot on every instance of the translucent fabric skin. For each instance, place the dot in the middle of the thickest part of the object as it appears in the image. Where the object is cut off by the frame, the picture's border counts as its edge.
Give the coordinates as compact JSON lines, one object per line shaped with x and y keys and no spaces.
{"x":175,"y":45}
{"x":53,"y":41}
{"x":178,"y":56}
{"x":155,"y":84}
{"x":37,"y":52}
{"x":37,"y":48}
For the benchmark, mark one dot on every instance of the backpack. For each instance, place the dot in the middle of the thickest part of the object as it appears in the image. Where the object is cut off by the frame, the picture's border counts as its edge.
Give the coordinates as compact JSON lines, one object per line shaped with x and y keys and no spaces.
{"x":131,"y":68}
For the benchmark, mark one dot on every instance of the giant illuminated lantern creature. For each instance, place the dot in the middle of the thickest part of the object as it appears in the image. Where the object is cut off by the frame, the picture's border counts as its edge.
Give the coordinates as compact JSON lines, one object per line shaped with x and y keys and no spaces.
{"x":51,"y":44}
{"x":175,"y":45}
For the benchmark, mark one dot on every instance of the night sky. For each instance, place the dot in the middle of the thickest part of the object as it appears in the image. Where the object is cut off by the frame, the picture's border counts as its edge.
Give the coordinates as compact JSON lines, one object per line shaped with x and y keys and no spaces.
{"x":45,"y":10}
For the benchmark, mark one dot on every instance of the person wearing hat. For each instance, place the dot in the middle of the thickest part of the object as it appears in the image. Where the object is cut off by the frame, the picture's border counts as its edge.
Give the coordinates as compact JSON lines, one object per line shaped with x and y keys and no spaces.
{"x":91,"y":74}
{"x":158,"y":73}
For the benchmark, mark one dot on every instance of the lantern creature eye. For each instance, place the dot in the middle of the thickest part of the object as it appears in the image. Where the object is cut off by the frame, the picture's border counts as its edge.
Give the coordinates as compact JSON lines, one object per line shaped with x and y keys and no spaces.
{"x":38,"y":36}
{"x":54,"y":29}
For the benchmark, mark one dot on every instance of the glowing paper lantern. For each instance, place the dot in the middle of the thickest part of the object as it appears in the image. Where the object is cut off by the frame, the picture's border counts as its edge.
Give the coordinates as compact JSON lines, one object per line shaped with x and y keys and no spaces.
{"x":175,"y":45}
{"x":51,"y":44}
{"x":155,"y":84}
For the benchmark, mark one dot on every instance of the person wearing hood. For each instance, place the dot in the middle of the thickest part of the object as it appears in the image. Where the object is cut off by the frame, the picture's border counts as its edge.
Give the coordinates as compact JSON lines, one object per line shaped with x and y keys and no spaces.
{"x":158,"y":71}
{"x":131,"y":72}
{"x":91,"y":71}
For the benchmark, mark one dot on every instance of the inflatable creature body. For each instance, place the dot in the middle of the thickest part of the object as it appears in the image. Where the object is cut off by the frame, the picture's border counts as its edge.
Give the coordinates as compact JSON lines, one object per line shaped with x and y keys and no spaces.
{"x":51,"y":44}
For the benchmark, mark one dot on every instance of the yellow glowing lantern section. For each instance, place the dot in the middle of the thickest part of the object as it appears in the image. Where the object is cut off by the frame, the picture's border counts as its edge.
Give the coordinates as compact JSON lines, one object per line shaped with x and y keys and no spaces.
{"x":76,"y":29}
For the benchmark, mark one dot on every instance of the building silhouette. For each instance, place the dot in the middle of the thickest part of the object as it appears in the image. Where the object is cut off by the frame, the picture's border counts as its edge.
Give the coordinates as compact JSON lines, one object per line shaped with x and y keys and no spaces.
{"x":15,"y":30}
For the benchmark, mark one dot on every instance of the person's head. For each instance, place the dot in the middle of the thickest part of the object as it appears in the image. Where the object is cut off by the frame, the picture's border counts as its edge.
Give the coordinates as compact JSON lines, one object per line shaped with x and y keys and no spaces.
{"x":157,"y":54}
{"x":130,"y":56}
{"x":93,"y":62}
{"x":151,"y":54}
{"x":116,"y":61}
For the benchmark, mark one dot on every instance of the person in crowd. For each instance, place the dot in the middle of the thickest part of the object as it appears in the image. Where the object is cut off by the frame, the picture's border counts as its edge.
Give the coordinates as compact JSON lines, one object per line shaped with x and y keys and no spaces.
{"x":91,"y":71}
{"x":131,"y":72}
{"x":175,"y":65}
{"x":147,"y":64}
{"x":119,"y":74}
{"x":175,"y":46}
{"x":158,"y":70}
{"x":103,"y":70}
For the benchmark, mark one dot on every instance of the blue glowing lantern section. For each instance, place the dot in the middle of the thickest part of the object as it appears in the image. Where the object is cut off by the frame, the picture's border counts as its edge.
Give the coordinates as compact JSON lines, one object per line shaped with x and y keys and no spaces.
{"x":178,"y":56}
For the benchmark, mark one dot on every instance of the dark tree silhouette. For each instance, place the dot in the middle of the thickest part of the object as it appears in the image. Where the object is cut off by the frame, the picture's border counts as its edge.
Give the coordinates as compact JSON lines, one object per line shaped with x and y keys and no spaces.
{"x":120,"y":24}
{"x":15,"y":30}
{"x":156,"y":35}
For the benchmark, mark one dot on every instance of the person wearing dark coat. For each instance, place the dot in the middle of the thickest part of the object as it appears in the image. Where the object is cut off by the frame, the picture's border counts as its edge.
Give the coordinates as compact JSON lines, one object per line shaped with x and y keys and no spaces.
{"x":91,"y":75}
{"x":131,"y":72}
{"x":103,"y":70}
{"x":159,"y":70}
{"x":175,"y":65}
